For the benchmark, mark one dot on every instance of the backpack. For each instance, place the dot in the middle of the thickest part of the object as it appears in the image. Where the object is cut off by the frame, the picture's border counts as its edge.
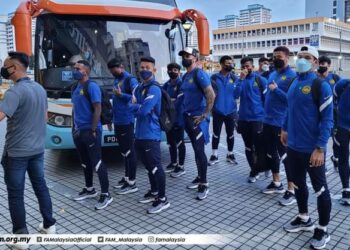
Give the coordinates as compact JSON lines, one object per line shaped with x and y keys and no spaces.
{"x":167,"y":114}
{"x":106,"y":106}
{"x":213,"y":81}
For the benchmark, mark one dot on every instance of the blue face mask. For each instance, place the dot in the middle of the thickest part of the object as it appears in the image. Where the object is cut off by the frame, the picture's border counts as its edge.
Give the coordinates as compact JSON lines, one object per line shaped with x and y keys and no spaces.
{"x":145,"y":74}
{"x":303,"y":65}
{"x":77,"y":75}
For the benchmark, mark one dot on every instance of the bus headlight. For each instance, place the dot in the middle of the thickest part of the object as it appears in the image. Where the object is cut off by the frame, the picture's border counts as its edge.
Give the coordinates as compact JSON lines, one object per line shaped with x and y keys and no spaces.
{"x":59,"y":120}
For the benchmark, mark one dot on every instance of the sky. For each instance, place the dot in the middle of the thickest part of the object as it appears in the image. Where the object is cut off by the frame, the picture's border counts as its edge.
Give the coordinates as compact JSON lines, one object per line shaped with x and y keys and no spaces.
{"x":217,"y":9}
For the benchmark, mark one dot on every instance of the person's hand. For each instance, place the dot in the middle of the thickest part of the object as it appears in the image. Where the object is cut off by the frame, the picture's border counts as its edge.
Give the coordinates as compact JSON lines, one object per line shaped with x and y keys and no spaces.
{"x":109,"y":126}
{"x":317,"y":158}
{"x":244,"y":73}
{"x":117,"y":91}
{"x":198,"y":119}
{"x":273,"y":86}
{"x":284,"y":138}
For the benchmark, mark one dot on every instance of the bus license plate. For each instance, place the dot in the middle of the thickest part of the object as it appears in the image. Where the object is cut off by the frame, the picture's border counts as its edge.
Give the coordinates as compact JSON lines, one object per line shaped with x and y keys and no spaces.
{"x":110,"y":139}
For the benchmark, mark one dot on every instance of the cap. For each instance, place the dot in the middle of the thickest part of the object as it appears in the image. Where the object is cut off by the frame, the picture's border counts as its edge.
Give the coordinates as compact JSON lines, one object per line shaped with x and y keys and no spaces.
{"x":190,"y":51}
{"x":114,"y":63}
{"x":148,"y":59}
{"x":309,"y":49}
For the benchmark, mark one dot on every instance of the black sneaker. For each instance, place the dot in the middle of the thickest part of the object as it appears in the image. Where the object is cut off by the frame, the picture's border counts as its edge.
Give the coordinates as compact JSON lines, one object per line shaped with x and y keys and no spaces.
{"x":231,"y":159}
{"x":335,"y":163}
{"x":104,"y":201}
{"x":345,"y":200}
{"x":194,"y":183}
{"x":158,"y":206}
{"x":298,"y":225}
{"x":178,"y":171}
{"x":203,"y":191}
{"x":273,"y":189}
{"x":170,"y":168}
{"x":149,"y":197}
{"x":287,"y":199}
{"x":213,"y":160}
{"x":128,"y":189}
{"x":320,"y":239}
{"x":84,"y":194}
{"x":121,"y":183}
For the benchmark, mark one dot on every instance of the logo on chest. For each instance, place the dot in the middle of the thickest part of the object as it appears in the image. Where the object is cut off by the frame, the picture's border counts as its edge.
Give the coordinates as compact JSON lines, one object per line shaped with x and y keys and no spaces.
{"x":332,"y":81}
{"x":306,"y":90}
{"x":283,"y":77}
{"x":190,"y":81}
{"x":81,"y":92}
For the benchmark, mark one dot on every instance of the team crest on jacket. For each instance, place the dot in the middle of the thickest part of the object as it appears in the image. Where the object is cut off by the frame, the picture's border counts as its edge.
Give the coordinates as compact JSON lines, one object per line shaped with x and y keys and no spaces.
{"x":255,"y":84}
{"x":190,"y":81}
{"x":231,"y":81}
{"x":283,"y":77}
{"x":81,"y":92}
{"x":306,"y":90}
{"x":332,"y":81}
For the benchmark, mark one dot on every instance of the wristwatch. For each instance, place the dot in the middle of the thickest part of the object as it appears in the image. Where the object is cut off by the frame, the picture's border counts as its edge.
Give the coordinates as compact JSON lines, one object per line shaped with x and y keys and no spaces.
{"x":320,"y":149}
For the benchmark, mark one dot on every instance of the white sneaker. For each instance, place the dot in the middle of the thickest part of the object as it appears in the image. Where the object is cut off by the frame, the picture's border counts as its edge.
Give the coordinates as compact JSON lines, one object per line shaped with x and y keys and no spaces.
{"x":50,"y":230}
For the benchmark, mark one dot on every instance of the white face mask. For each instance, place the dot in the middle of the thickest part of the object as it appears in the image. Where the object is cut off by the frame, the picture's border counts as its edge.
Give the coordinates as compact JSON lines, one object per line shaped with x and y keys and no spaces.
{"x":265,"y":68}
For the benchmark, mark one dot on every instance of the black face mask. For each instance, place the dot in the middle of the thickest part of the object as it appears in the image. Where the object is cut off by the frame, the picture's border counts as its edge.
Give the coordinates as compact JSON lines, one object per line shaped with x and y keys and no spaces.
{"x":322,"y":69}
{"x":5,"y":73}
{"x":228,"y":68}
{"x":186,"y":62}
{"x":118,"y":76}
{"x":173,"y":75}
{"x":278,"y":63}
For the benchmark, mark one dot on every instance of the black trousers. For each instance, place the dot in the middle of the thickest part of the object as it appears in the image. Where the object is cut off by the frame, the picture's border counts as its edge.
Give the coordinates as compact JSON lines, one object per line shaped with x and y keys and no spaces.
{"x":343,"y":137}
{"x":252,"y":134}
{"x":149,"y":153}
{"x":175,"y":139}
{"x":198,"y":144}
{"x":299,"y":166}
{"x":229,"y":121}
{"x":125,"y":137}
{"x":89,"y":149}
{"x":275,"y":151}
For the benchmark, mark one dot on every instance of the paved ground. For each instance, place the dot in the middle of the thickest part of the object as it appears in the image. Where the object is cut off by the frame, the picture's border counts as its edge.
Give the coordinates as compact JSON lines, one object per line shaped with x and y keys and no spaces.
{"x":234,"y":207}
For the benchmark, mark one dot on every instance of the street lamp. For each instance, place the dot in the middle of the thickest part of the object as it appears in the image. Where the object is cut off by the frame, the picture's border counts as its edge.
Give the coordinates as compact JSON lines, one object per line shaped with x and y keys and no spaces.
{"x":187,"y":25}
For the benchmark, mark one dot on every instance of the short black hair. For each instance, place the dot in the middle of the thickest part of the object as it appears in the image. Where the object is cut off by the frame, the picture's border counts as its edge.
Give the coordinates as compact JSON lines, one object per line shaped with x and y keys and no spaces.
{"x":85,"y":63}
{"x":173,"y":66}
{"x":323,"y":59}
{"x":247,"y":59}
{"x":19,"y":56}
{"x":148,"y":59}
{"x":225,"y":58}
{"x":114,"y":63}
{"x":283,"y":49}
{"x":263,"y":59}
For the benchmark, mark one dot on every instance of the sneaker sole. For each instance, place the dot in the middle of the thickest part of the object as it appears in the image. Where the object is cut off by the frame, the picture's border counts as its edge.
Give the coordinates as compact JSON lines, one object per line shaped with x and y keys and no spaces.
{"x":86,"y":197}
{"x":146,"y":201}
{"x":128,"y":192}
{"x":118,"y":186}
{"x":193,"y":187}
{"x":232,"y":162}
{"x":177,"y":175}
{"x":299,"y":229}
{"x":287,"y":203}
{"x":213,"y":163}
{"x":108,"y":202}
{"x":273,"y":191}
{"x":324,"y":245}
{"x":206,"y":195}
{"x":160,"y":210}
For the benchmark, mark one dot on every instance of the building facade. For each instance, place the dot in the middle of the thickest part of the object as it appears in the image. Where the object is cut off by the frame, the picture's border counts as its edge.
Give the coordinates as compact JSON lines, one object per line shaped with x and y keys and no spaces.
{"x":254,"y":14}
{"x":230,"y":21}
{"x":331,"y":37}
{"x":3,"y":38}
{"x":335,"y":9}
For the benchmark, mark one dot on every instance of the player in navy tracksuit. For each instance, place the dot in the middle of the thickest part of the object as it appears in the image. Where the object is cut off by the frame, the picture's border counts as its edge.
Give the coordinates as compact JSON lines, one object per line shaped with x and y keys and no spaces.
{"x":306,"y":132}
{"x":148,"y":134}
{"x":251,"y":114}
{"x":87,"y":134}
{"x":275,"y":113}
{"x":332,"y":79}
{"x":264,"y":68}
{"x":198,"y":101}
{"x":225,"y":108}
{"x":123,"y":120}
{"x":342,"y":92}
{"x":175,"y":137}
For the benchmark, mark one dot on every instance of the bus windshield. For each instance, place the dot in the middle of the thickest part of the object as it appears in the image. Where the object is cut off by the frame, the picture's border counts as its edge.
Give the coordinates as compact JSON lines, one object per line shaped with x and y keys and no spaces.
{"x":63,"y":40}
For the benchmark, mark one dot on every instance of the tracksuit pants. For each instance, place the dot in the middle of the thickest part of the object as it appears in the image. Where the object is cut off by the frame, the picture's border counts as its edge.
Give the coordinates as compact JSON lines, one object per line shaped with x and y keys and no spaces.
{"x":218,"y":120}
{"x":343,"y":137}
{"x":149,"y":153}
{"x":125,"y":137}
{"x":89,"y":149}
{"x":253,"y":140}
{"x":175,"y":139}
{"x":300,"y":165}
{"x":275,"y":151}
{"x":198,"y":144}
